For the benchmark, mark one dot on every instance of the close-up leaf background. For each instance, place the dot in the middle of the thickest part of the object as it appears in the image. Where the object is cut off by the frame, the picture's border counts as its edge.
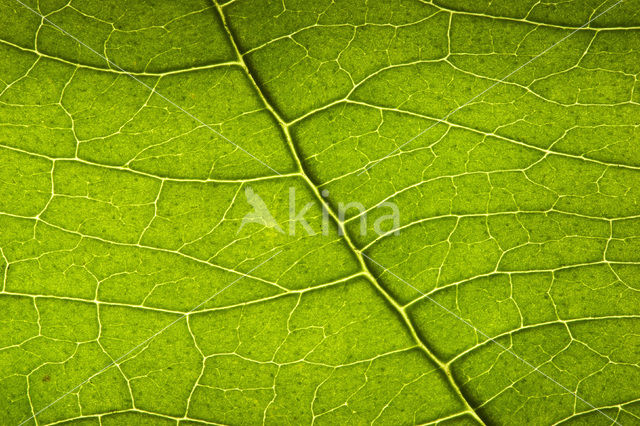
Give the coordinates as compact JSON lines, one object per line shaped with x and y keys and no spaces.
{"x":506,"y":132}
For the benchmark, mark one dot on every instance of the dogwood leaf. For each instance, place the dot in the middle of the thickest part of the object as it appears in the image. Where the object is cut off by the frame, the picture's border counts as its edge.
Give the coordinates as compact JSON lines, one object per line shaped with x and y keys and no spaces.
{"x":319,"y":212}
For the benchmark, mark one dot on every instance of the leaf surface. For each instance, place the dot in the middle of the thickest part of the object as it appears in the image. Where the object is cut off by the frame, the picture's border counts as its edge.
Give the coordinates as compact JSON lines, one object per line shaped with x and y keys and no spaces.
{"x":135,"y":137}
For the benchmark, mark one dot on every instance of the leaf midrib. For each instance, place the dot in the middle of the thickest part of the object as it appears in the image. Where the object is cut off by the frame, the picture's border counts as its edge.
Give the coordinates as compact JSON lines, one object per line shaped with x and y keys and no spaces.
{"x":343,"y":231}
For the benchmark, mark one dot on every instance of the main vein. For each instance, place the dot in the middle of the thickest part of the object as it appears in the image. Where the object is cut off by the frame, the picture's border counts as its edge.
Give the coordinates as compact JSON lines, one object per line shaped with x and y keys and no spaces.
{"x":358,"y":254}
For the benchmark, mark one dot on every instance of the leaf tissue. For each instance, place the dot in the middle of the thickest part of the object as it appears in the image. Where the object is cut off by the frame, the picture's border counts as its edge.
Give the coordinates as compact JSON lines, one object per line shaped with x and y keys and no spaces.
{"x":327,"y":212}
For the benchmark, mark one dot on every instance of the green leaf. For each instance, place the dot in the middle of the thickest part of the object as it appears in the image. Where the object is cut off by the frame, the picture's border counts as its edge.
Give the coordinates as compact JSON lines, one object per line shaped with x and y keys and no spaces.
{"x":157,"y":157}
